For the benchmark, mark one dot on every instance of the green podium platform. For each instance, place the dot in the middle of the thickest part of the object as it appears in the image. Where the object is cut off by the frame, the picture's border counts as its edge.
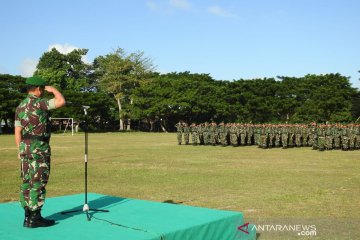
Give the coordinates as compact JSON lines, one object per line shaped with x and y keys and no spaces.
{"x":127,"y":219}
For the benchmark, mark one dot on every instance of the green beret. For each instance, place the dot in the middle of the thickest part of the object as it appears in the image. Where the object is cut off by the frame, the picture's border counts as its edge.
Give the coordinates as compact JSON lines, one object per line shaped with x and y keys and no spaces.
{"x":35,"y":81}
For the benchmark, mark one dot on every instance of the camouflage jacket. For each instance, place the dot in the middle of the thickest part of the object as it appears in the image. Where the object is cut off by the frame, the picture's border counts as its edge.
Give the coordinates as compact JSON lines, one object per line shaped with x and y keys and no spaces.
{"x":32,"y":115}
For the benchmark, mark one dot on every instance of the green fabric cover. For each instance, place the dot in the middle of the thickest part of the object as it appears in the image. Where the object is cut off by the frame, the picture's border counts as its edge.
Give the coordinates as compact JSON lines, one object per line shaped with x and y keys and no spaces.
{"x":128,"y":219}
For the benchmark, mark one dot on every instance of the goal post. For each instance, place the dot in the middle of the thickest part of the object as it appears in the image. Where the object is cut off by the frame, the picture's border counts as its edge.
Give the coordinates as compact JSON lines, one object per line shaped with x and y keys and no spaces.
{"x":69,"y":122}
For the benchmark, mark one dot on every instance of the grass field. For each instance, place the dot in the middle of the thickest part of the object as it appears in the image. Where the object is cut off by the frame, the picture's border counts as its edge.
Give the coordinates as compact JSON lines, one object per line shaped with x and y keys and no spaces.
{"x":274,"y":186}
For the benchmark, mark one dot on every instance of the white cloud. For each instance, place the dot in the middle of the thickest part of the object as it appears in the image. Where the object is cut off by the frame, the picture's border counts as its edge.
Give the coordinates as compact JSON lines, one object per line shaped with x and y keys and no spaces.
{"x":28,"y":67}
{"x":168,"y":6}
{"x":152,"y":5}
{"x":64,"y":49}
{"x":183,"y":4}
{"x":216,"y":10}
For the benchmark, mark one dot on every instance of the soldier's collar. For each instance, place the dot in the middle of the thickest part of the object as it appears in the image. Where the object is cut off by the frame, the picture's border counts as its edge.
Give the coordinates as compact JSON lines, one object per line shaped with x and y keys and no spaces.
{"x":32,"y":95}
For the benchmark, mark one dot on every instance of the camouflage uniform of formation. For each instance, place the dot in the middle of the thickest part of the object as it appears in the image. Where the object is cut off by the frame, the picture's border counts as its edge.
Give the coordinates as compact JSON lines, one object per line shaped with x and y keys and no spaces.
{"x":320,"y":137}
{"x":179,"y":131}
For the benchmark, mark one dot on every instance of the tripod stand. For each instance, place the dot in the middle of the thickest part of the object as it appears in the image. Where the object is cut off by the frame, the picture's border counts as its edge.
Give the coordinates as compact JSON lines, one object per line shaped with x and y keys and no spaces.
{"x":86,"y":207}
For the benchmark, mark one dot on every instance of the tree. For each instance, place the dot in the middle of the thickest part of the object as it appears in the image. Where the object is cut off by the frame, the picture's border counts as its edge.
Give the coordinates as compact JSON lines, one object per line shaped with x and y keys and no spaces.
{"x":118,"y":73}
{"x":171,"y":97}
{"x":12,"y":91}
{"x":64,"y":71}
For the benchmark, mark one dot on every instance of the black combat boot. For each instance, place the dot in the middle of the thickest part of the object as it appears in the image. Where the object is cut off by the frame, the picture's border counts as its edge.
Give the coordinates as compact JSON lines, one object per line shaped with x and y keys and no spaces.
{"x":36,"y":220}
{"x":27,"y":215}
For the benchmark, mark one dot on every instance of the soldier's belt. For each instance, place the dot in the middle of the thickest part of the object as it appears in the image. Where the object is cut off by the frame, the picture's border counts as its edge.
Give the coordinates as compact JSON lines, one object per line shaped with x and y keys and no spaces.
{"x":36,"y":138}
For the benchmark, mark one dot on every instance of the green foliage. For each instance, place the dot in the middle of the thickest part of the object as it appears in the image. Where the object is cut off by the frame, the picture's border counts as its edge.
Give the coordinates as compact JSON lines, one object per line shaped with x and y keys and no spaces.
{"x":64,"y":71}
{"x":12,"y":90}
{"x":121,"y":86}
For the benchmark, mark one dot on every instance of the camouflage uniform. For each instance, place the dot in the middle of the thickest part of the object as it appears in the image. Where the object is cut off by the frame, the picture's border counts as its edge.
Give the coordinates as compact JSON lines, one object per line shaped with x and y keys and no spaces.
{"x":186,"y":133}
{"x":329,"y":137}
{"x":32,"y":115}
{"x":249,"y":133}
{"x":345,"y":141}
{"x":233,"y":135}
{"x":337,"y":137}
{"x":321,"y":133}
{"x":194,"y":133}
{"x":213,"y":133}
{"x":357,"y":132}
{"x":223,"y":134}
{"x":284,"y":136}
{"x":242,"y":134}
{"x":179,"y":132}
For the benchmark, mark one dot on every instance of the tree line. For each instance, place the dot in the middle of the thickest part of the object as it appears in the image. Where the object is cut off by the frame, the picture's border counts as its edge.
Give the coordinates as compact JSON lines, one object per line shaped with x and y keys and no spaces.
{"x":125,"y":92}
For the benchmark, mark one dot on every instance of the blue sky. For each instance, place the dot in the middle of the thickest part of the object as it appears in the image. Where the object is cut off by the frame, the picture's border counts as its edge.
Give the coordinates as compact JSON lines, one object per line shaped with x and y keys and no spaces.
{"x":229,"y":39}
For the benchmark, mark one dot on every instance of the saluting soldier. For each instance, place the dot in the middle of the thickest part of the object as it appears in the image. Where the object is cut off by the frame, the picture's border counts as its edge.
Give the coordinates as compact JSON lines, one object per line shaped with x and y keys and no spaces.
{"x":32,"y":137}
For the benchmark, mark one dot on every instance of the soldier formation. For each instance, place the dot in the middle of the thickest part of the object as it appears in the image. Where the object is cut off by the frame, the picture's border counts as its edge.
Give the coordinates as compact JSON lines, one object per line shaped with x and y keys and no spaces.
{"x":318,"y":136}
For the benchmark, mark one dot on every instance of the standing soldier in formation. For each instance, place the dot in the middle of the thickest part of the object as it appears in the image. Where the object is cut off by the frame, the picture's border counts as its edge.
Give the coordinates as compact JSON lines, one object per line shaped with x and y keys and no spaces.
{"x":284,"y":136}
{"x":186,"y":133}
{"x":194,"y":133}
{"x":233,"y":135}
{"x":179,"y":131}
{"x":223,"y":134}
{"x":352,"y":136}
{"x":321,"y":133}
{"x":242,"y":134}
{"x":357,"y":132}
{"x":337,"y":136}
{"x":298,"y":135}
{"x":32,"y":137}
{"x":329,"y":137}
{"x":277,"y":131}
{"x":213,"y":133}
{"x":322,"y":137}
{"x":314,"y":134}
{"x":249,"y":134}
{"x":206,"y":133}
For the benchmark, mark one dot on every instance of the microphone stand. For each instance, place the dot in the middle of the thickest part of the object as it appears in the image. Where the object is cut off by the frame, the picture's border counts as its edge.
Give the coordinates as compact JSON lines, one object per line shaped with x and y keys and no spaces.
{"x":86,"y":207}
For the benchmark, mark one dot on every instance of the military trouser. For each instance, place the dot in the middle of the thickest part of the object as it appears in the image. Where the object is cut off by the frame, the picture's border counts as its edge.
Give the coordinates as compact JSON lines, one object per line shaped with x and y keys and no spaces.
{"x":291,"y":142}
{"x":337,"y":142}
{"x":345,"y":143}
{"x":179,"y":137}
{"x":256,"y":138}
{"x":233,"y":139}
{"x":352,"y":142}
{"x":242,"y":139}
{"x":329,"y":143}
{"x":186,"y":138}
{"x":212,"y":139}
{"x":321,"y":143}
{"x":277,"y":140}
{"x":206,"y":138}
{"x":315,"y":142}
{"x":194,"y":138}
{"x":357,"y":142}
{"x":201,"y":138}
{"x":298,"y":140}
{"x":263,"y":141}
{"x":310,"y":140}
{"x":284,"y":140}
{"x":35,"y":175}
{"x":223,"y":139}
{"x":249,"y":139}
{"x":271,"y":140}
